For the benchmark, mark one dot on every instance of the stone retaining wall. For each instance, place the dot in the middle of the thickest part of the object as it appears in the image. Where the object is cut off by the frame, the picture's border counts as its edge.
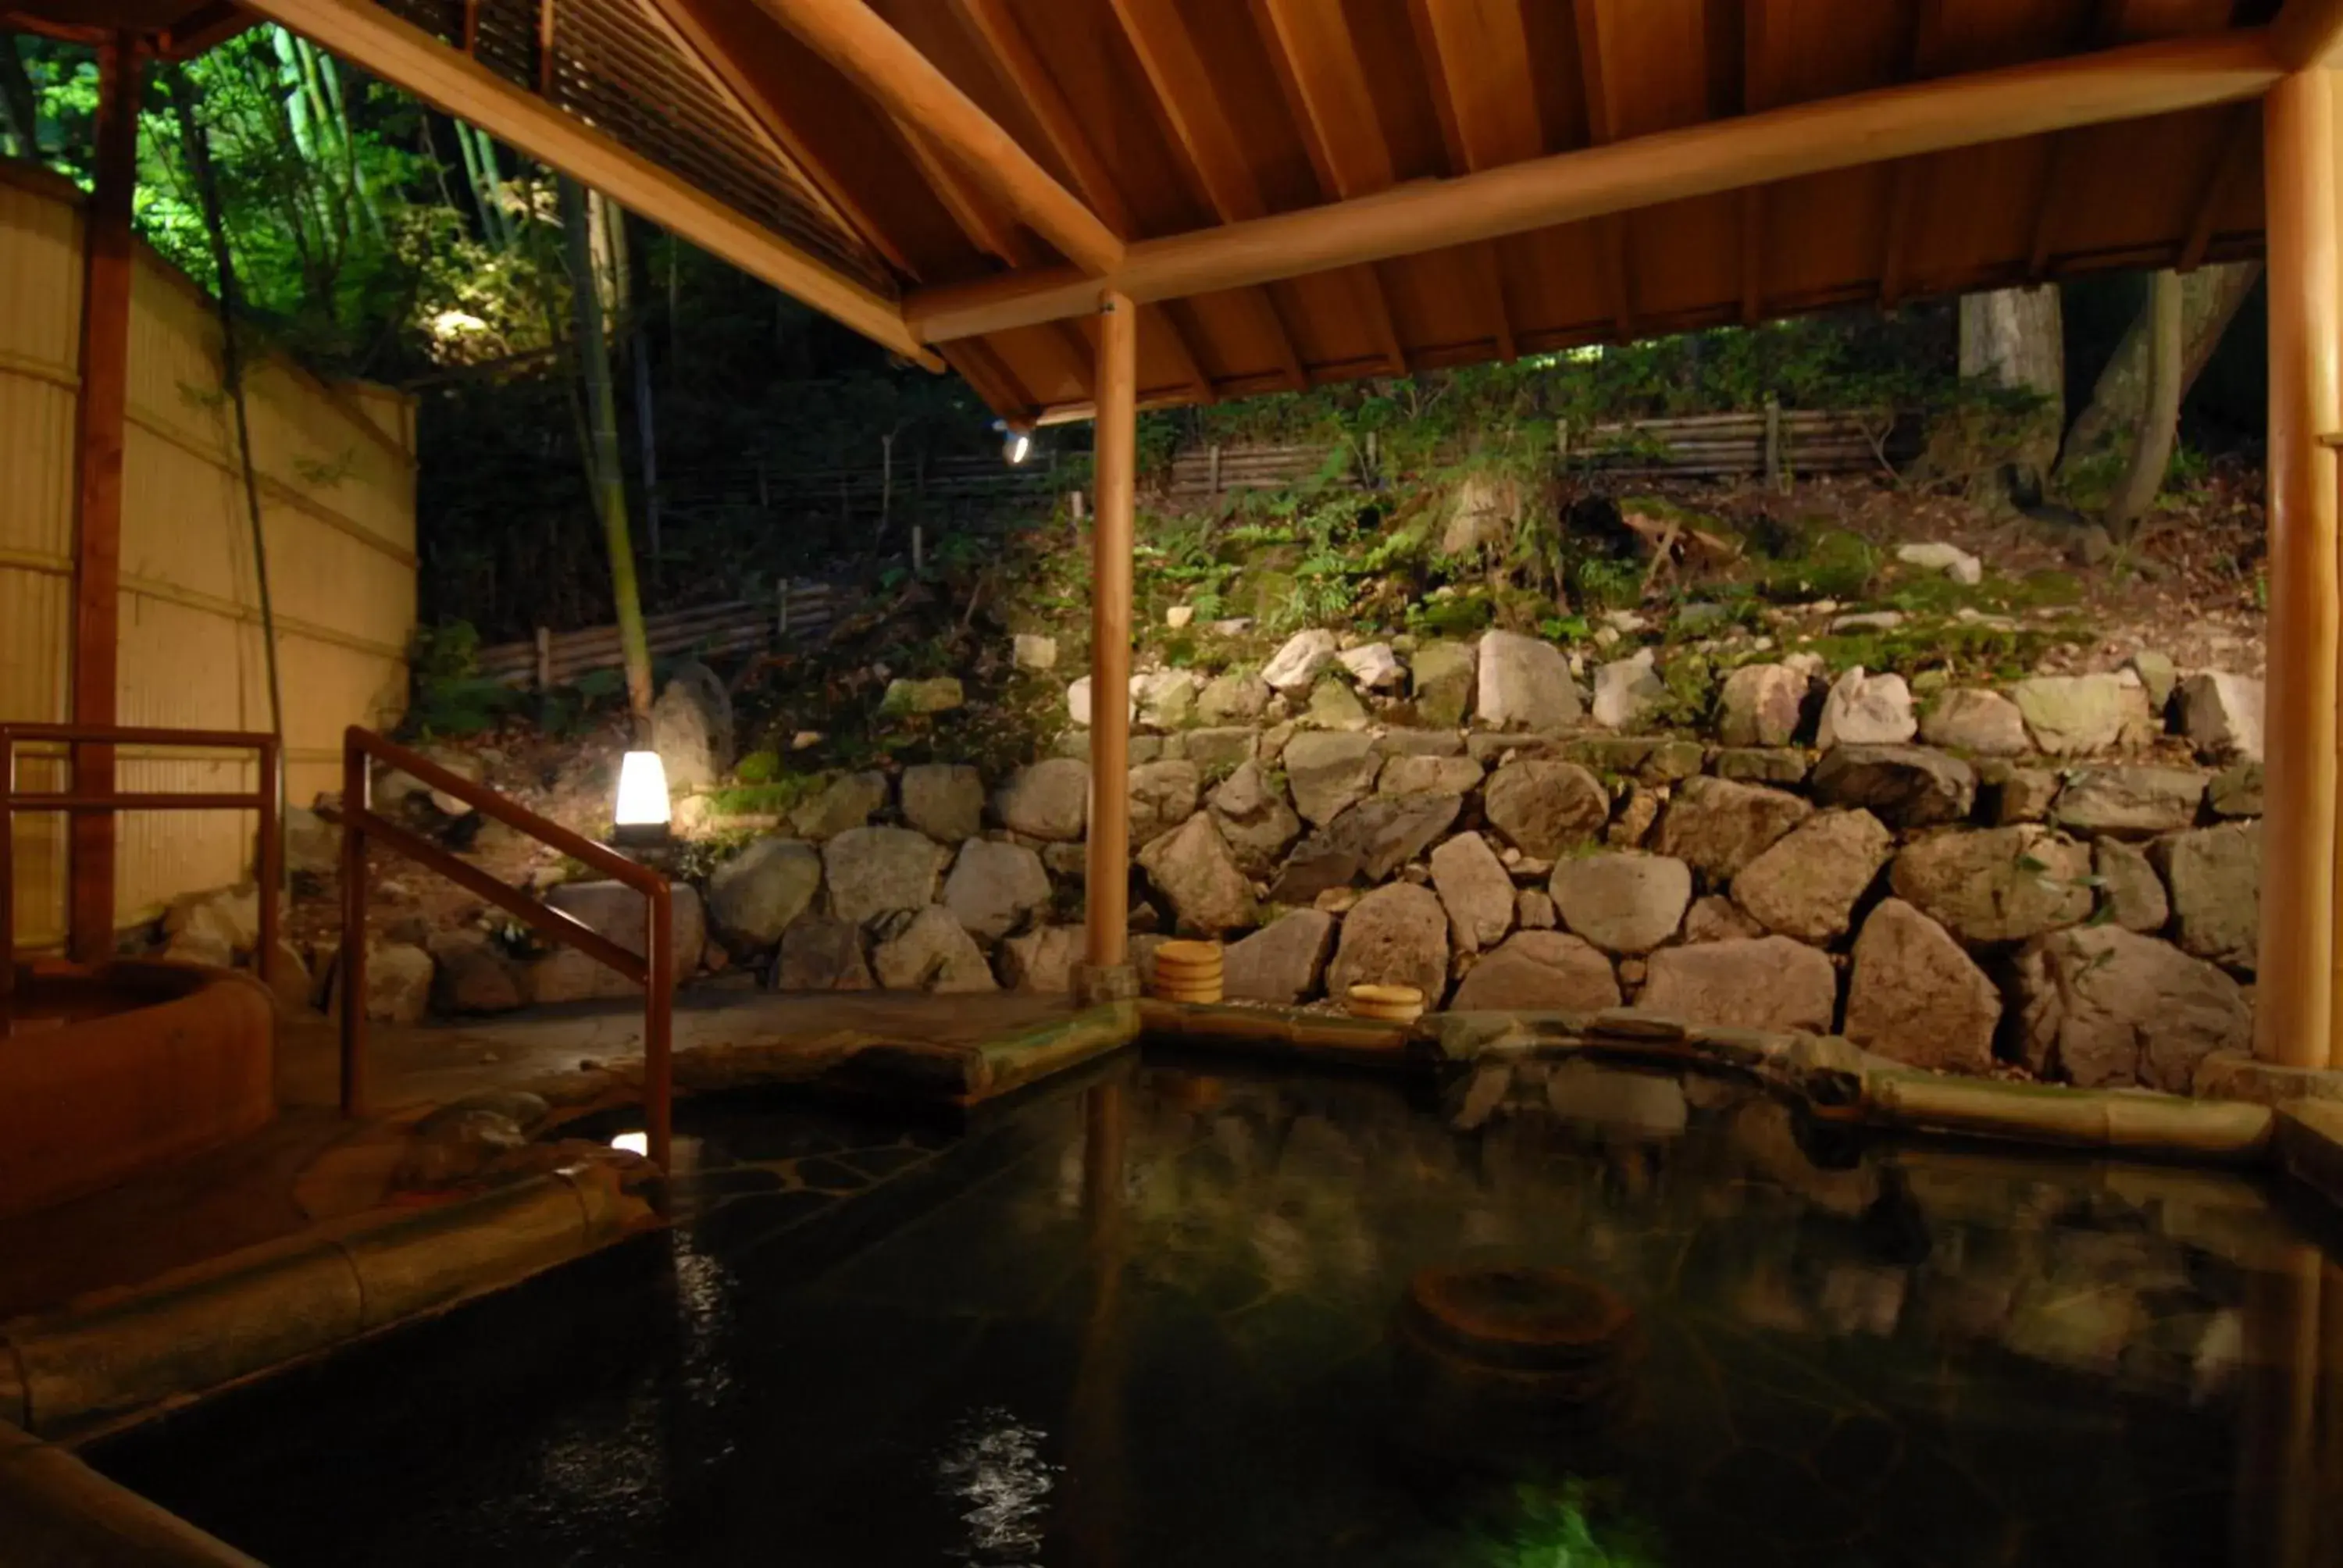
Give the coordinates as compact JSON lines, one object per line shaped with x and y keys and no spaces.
{"x":2062,"y":875}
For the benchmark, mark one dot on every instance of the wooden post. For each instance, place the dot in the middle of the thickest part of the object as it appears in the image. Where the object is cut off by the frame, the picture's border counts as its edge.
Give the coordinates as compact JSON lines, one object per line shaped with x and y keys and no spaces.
{"x":544,"y":659}
{"x":2293,"y":1015}
{"x":99,"y":414}
{"x":1774,"y":477}
{"x":1117,"y":459}
{"x":356,"y":797}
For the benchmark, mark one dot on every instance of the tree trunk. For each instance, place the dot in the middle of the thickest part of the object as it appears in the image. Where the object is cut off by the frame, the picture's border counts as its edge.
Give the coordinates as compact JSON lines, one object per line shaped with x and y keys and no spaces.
{"x":2016,"y":337}
{"x":2210,"y":299}
{"x":2151,"y":452}
{"x":609,"y":484}
{"x":20,"y":114}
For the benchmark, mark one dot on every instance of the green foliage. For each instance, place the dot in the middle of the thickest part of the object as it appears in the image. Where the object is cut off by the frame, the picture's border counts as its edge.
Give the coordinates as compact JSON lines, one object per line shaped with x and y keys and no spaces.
{"x":1575,"y":1523}
{"x":1605,"y":582}
{"x":757,"y":768}
{"x":1835,"y":564}
{"x":773,"y":796}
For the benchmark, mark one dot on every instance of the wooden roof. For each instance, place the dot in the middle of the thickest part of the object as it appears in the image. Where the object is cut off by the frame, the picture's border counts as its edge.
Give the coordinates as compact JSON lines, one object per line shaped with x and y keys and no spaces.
{"x":1301,"y":191}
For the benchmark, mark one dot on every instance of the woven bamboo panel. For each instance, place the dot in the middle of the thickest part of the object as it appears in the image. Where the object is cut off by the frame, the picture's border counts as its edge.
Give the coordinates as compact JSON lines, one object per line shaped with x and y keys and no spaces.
{"x":337,"y":491}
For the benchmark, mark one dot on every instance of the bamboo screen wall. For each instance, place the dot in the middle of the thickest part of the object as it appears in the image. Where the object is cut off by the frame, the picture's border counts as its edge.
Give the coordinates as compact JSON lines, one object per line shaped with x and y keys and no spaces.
{"x":337,"y":496}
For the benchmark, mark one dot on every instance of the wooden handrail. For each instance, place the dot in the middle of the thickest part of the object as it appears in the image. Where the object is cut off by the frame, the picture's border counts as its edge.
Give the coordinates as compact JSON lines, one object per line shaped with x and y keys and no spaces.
{"x":653,"y":969}
{"x":268,"y":856}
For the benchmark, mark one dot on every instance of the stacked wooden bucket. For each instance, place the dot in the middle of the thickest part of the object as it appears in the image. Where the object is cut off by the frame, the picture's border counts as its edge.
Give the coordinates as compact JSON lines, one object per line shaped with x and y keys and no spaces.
{"x":1385,"y":1004}
{"x":1188,"y":972}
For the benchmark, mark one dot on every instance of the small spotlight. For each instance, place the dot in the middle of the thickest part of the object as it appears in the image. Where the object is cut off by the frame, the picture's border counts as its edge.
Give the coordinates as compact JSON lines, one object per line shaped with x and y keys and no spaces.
{"x":633,"y":1143}
{"x":641,"y":816}
{"x":1018,"y":447}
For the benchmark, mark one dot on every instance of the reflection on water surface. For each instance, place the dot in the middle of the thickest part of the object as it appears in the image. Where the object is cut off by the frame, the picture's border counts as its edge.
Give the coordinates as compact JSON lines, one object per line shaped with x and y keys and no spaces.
{"x":1152,"y":1323}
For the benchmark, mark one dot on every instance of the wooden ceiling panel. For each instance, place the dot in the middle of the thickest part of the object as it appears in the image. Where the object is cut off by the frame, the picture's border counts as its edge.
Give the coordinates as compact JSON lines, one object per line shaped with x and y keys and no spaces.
{"x":1088,"y":60}
{"x":1798,"y":51}
{"x":1683,"y":255}
{"x":1238,"y":339}
{"x":1976,"y":211}
{"x":1440,"y":297}
{"x":1559,"y":286}
{"x":2138,"y":21}
{"x":1979,"y":35}
{"x":1049,"y":362}
{"x":1332,"y":319}
{"x":1645,"y":66}
{"x":1383,"y":33}
{"x":1480,"y":50}
{"x":1816,"y":225}
{"x":2108,"y":208}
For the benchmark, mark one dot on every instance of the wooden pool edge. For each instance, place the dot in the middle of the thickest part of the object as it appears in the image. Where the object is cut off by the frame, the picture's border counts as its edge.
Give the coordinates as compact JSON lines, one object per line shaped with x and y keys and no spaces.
{"x":69,"y":1373}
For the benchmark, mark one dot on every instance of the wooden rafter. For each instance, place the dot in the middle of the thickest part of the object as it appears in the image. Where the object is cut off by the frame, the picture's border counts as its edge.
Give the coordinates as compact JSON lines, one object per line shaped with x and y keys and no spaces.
{"x":857,"y":41}
{"x":1613,"y":244}
{"x":1206,"y":141}
{"x":1753,"y":255}
{"x":1758,"y":93}
{"x":994,"y":382}
{"x":989,"y":228}
{"x":1903,"y":197}
{"x":1021,"y":69}
{"x":707,"y":35}
{"x":399,"y":52}
{"x":2235,"y":141}
{"x":1172,"y":316}
{"x":1317,"y":62}
{"x":2132,"y":82}
{"x":1922,"y":52}
{"x":1488,"y":109}
{"x":2048,"y":208}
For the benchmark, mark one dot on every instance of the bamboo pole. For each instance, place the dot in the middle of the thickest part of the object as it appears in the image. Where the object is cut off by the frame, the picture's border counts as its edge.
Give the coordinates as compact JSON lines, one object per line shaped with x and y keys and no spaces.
{"x":2294,"y":1021}
{"x":1117,"y":450}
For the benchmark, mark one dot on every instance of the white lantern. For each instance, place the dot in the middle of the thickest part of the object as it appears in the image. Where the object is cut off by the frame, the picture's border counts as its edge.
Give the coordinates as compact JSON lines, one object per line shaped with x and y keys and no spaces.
{"x":642,"y":813}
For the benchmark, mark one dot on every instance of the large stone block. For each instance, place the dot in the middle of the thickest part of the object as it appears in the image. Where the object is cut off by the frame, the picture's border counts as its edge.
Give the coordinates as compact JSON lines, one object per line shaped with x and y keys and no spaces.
{"x":1765,"y":982}
{"x":1915,"y":997}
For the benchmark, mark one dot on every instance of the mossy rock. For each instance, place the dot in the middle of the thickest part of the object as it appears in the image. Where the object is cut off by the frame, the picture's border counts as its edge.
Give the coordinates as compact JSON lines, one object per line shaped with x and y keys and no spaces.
{"x":1839,"y":564}
{"x":1267,"y":592}
{"x":1464,"y":615}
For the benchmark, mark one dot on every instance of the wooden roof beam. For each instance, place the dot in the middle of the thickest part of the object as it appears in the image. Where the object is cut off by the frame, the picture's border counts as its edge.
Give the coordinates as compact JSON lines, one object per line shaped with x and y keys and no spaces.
{"x":2307,"y":32}
{"x":399,"y":52}
{"x":907,"y":84}
{"x":2128,"y":83}
{"x":700,"y":35}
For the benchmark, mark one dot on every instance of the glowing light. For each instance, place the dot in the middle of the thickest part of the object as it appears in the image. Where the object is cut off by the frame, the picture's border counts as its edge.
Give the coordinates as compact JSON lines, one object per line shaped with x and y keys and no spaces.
{"x":642,"y":812}
{"x":1018,"y":447}
{"x":633,"y":1143}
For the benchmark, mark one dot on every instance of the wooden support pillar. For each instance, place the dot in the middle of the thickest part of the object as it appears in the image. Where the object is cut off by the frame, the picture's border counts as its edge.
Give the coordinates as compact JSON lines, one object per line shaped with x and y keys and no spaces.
{"x":98,"y":421}
{"x":1117,"y":459}
{"x":2294,"y":1021}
